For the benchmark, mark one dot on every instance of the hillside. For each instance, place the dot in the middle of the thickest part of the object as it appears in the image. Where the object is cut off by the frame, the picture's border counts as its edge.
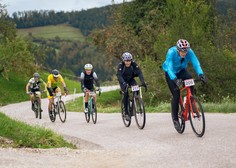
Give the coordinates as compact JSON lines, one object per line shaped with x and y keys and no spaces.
{"x":63,"y":31}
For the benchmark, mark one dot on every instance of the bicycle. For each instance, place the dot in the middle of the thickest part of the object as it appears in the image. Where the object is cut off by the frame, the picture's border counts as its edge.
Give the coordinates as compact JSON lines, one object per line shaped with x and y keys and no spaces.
{"x":135,"y":107}
{"x":191,"y":109}
{"x":58,"y":107}
{"x":92,"y":108}
{"x":37,"y":104}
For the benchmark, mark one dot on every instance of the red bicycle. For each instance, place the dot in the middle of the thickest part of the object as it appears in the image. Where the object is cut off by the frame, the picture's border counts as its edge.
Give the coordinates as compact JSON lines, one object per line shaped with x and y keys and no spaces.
{"x":191,"y":109}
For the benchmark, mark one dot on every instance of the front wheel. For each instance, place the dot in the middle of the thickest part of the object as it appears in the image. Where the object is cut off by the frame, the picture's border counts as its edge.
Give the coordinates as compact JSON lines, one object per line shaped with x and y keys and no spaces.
{"x":180,"y":119}
{"x":125,"y":121}
{"x":62,"y":111}
{"x":139,"y":112}
{"x":197,"y":118}
{"x":94,"y":112}
{"x":52,"y":116}
{"x":36,"y":107}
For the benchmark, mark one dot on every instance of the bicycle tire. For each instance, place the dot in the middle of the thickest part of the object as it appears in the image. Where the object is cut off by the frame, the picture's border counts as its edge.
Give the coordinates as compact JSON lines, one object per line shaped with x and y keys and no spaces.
{"x":36,"y":108}
{"x":126,"y":123}
{"x":139,"y":112}
{"x":53,"y":116}
{"x":180,"y":119}
{"x":62,"y":111}
{"x":87,"y":114}
{"x":197,"y":117}
{"x":39,"y":109}
{"x":94,"y":112}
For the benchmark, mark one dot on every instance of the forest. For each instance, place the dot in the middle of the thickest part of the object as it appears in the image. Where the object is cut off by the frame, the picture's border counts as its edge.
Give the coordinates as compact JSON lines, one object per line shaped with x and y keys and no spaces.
{"x":146,"y":28}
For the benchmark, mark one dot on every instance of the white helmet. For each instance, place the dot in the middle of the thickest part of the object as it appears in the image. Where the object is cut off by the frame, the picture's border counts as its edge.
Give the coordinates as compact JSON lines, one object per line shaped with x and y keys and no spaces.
{"x":88,"y":67}
{"x":127,"y":56}
{"x":183,"y":45}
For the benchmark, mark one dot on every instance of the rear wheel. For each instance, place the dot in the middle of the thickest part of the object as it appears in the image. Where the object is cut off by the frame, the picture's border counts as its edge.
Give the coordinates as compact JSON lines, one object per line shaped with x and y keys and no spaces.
{"x":94,"y":112}
{"x":62,"y":111}
{"x":197,"y":118}
{"x":126,"y":123}
{"x":139,"y":112}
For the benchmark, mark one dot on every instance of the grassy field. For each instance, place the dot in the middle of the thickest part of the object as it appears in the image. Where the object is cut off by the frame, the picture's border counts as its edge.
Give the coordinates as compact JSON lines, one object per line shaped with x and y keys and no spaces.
{"x":49,"y":32}
{"x":24,"y":135}
{"x":109,"y":102}
{"x":13,"y":88}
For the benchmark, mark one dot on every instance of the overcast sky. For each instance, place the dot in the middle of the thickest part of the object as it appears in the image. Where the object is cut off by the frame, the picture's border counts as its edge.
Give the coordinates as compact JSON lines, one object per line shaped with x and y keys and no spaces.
{"x":57,"y":5}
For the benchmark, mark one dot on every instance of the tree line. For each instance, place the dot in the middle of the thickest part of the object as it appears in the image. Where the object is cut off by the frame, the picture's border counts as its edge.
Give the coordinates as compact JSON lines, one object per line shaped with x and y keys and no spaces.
{"x":85,"y":20}
{"x":148,"y":28}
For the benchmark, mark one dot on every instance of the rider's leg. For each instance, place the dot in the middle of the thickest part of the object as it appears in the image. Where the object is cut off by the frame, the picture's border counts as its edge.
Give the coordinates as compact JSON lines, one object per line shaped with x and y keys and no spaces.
{"x":175,"y":99}
{"x":86,"y":95}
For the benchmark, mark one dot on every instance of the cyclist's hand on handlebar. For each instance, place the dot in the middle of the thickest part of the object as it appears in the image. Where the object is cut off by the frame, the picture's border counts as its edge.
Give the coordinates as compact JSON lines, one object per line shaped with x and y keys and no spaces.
{"x":203,"y":78}
{"x":99,"y":91}
{"x":144,"y":85}
{"x":28,"y":92}
{"x":125,"y":86}
{"x":66,"y":90}
{"x":178,"y":82}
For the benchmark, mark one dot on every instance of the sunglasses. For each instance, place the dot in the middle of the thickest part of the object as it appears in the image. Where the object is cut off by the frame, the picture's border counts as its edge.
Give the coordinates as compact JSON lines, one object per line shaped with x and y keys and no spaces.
{"x":127,"y":60}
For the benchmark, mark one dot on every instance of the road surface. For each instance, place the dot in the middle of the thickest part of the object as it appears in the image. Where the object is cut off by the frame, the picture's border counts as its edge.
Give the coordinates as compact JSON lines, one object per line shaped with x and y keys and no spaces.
{"x":110,"y":144}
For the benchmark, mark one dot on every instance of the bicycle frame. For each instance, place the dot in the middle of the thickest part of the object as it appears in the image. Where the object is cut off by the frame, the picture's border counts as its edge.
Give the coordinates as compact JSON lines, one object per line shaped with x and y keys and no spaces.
{"x":185,"y":109}
{"x":92,"y":95}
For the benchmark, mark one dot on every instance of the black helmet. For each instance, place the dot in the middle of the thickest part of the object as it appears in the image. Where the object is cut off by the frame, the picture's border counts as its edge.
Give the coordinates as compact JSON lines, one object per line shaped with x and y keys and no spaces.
{"x":55,"y":73}
{"x":36,"y":75}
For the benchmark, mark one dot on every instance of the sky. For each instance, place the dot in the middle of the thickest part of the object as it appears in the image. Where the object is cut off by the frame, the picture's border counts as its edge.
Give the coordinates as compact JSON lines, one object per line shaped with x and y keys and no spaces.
{"x":56,"y":5}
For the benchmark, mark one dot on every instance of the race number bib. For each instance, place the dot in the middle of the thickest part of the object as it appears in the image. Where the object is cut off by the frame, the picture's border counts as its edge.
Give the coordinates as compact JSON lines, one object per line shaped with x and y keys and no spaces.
{"x":189,"y":82}
{"x":135,"y":88}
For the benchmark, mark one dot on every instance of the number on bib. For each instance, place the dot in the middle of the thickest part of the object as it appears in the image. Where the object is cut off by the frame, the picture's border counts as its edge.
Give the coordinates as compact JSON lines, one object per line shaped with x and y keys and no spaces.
{"x":135,"y":88}
{"x":189,"y":82}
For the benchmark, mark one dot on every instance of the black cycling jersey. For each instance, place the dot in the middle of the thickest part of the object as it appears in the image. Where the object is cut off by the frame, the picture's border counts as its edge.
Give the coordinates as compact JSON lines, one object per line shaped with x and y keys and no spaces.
{"x":127,"y":74}
{"x":87,"y":81}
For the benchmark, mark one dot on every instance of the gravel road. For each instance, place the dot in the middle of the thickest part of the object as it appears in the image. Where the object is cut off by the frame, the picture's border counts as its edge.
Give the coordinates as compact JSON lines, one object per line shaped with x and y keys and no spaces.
{"x":109,"y":144}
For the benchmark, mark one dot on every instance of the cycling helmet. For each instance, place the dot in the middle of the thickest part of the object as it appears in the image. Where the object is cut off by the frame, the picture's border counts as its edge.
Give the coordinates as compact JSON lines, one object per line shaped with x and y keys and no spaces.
{"x":127,"y":56}
{"x":88,"y":67}
{"x":36,"y":75}
{"x":183,"y":45}
{"x":55,"y":73}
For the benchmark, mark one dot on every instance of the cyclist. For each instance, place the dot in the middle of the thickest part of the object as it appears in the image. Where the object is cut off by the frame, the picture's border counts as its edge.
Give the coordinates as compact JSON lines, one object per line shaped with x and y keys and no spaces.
{"x":127,"y":70}
{"x":52,"y":86}
{"x":34,"y":85}
{"x":177,"y":59}
{"x":87,"y":78}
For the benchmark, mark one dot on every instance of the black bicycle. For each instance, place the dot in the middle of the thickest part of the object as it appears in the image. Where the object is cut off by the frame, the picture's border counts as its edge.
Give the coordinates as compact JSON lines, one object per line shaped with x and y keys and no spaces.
{"x":58,"y":107}
{"x":92,"y":108}
{"x":37,"y":105}
{"x":135,"y":107}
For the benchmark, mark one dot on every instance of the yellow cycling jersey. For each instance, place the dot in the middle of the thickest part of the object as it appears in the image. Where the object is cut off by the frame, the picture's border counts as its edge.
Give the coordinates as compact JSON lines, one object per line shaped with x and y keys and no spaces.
{"x":52,"y":80}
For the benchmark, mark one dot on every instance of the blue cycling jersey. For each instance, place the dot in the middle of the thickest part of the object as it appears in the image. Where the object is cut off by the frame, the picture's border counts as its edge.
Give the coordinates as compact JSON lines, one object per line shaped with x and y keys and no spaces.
{"x":173,"y":64}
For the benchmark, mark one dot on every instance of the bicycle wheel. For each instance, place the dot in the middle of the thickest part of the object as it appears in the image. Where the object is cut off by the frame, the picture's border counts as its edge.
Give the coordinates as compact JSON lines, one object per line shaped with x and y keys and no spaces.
{"x":181,"y":120}
{"x":39,"y":110}
{"x":53,"y":115}
{"x":197,"y":118}
{"x":126,"y":123}
{"x":139,"y":112}
{"x":87,"y":114}
{"x":62,"y":111}
{"x":94,"y":112}
{"x":36,"y":107}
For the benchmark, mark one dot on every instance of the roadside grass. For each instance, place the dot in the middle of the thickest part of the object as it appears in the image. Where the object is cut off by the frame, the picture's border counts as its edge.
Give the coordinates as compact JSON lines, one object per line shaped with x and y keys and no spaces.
{"x":63,"y":31}
{"x":24,"y":135}
{"x":109,"y":102}
{"x":13,"y":89}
